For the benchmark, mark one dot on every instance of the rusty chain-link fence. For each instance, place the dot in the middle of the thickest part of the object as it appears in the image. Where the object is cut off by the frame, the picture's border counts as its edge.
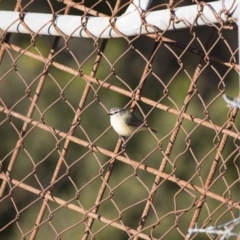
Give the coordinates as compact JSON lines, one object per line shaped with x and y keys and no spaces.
{"x":63,"y":172}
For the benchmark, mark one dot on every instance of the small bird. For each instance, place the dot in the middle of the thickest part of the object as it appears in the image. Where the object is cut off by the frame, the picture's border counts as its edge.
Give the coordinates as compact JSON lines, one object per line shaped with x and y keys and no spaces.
{"x":125,"y":123}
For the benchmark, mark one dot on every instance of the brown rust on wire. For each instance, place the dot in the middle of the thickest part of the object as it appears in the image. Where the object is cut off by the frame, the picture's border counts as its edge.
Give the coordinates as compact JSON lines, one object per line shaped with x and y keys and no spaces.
{"x":71,"y":206}
{"x":213,"y":169}
{"x":71,"y":132}
{"x":113,"y":155}
{"x":145,"y":74}
{"x":194,"y":51}
{"x":157,"y":181}
{"x":6,"y":38}
{"x":81,"y":7}
{"x":29,"y":114}
{"x":148,"y":101}
{"x":135,"y":97}
{"x":216,"y":160}
{"x":83,"y":100}
{"x":108,"y":173}
{"x":66,"y":144}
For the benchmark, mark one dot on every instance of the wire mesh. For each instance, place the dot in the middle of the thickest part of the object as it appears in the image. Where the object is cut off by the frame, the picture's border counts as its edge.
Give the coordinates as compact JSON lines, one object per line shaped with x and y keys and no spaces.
{"x":64,"y":174}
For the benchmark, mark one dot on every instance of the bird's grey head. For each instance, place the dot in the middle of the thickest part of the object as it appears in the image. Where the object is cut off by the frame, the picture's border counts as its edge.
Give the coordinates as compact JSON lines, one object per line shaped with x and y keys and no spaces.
{"x":116,"y":111}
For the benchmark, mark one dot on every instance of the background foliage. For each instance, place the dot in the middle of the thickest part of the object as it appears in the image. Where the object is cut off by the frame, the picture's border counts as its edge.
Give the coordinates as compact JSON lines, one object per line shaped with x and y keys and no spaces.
{"x":194,"y":150}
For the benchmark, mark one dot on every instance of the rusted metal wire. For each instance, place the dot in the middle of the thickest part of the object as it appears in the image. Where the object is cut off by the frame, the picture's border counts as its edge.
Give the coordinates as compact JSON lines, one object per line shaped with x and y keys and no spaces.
{"x":63,"y":172}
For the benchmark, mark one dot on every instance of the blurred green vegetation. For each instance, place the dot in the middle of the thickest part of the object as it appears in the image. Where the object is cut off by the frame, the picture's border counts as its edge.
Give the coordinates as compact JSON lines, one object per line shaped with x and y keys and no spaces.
{"x":191,"y":158}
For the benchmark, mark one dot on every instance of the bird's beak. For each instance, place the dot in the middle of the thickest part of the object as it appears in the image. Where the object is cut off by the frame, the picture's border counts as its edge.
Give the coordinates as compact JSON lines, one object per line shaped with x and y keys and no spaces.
{"x":109,"y":114}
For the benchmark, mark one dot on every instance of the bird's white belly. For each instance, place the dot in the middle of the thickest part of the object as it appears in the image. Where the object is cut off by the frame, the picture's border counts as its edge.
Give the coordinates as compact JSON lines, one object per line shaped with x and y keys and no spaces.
{"x":121,"y":127}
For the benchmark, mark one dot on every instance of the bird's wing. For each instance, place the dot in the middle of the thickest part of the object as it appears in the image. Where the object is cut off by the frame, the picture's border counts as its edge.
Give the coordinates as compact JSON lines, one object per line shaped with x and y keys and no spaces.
{"x":137,"y":122}
{"x":134,"y":121}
